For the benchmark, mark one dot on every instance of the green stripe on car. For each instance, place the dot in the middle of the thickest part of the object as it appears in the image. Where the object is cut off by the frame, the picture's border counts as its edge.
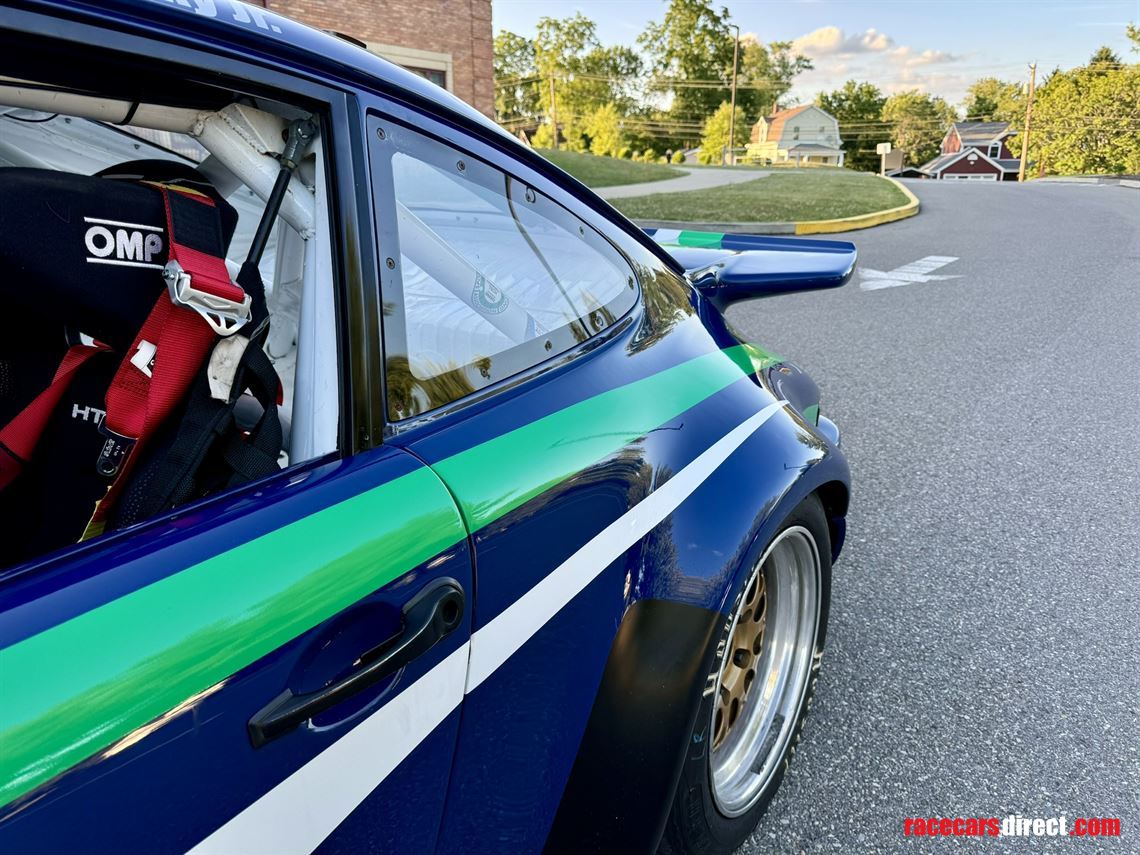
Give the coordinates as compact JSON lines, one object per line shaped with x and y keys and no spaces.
{"x":89,"y":682}
{"x":706,"y":239}
{"x":494,"y":478}
{"x":709,"y":240}
{"x":76,"y":688}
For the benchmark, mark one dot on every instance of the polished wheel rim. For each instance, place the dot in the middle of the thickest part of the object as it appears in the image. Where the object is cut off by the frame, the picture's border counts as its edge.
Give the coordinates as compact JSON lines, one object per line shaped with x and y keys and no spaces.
{"x":764,"y":670}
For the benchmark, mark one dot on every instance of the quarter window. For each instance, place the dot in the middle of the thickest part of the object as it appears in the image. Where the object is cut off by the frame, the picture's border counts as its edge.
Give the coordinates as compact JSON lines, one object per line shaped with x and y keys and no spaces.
{"x":490,"y":277}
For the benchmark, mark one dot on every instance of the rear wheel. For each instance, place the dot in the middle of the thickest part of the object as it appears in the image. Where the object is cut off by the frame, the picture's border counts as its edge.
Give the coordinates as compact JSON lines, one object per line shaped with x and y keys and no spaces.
{"x":767,"y":658}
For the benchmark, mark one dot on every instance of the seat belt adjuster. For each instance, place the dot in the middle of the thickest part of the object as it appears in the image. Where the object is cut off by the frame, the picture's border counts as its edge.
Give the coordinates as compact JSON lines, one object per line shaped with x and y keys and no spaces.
{"x":225,"y":316}
{"x":114,"y":453}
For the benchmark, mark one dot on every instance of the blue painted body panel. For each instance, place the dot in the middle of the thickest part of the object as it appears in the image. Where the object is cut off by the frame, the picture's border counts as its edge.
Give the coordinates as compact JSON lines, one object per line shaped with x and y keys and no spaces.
{"x":176,"y":763}
{"x":531,"y":713}
{"x":491,"y":777}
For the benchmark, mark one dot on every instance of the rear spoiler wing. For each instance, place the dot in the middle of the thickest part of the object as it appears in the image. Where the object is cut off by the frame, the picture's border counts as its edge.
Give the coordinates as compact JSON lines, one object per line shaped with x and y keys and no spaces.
{"x":726,"y":268}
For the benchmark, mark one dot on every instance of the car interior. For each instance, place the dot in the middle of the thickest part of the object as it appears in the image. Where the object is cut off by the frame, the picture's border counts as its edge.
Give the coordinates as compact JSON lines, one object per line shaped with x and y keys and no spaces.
{"x":96,"y":194}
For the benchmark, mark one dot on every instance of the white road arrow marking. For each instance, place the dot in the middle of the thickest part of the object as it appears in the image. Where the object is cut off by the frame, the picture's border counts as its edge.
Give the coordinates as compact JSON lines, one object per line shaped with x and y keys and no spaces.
{"x":917,"y":271}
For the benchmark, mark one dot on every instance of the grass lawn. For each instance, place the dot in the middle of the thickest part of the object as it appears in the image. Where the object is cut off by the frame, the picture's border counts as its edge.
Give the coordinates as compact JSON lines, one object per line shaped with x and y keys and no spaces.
{"x":595,"y":171}
{"x":783,"y":196}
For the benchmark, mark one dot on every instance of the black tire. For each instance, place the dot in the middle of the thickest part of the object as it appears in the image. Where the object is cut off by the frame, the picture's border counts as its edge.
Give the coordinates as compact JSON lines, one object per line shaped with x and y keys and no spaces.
{"x":695,"y":824}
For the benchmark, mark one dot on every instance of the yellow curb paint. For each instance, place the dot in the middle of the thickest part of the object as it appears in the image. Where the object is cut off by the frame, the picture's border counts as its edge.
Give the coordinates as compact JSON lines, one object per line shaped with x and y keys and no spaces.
{"x":863,"y":221}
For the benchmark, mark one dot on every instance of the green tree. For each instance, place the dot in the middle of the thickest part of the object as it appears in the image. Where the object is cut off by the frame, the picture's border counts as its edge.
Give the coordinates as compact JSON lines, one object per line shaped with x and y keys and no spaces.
{"x":765,"y":74}
{"x":917,"y":123}
{"x":756,"y":90}
{"x":690,"y":54}
{"x":1087,"y":121}
{"x":858,"y":107}
{"x":516,"y":81}
{"x":543,"y":137}
{"x":580,"y":74}
{"x":692,"y":45}
{"x":604,"y":128}
{"x":994,"y":100}
{"x":1133,"y":33}
{"x":785,"y":66}
{"x":714,"y":137}
{"x":1104,"y":56}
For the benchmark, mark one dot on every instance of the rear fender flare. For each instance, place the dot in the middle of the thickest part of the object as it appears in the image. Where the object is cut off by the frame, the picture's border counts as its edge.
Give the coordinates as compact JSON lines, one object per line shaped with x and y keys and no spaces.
{"x":630,"y":757}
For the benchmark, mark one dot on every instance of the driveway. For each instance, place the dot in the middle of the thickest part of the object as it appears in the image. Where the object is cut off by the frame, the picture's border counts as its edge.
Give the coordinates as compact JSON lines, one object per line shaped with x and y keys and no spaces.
{"x":693,"y":179}
{"x":984,"y":641}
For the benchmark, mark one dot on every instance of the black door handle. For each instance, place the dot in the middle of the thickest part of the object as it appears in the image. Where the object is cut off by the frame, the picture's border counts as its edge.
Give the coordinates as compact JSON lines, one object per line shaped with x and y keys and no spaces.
{"x":432,"y":615}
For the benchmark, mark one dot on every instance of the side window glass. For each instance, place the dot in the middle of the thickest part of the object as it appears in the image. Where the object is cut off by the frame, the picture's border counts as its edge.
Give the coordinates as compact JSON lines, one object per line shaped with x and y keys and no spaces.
{"x":492,"y":276}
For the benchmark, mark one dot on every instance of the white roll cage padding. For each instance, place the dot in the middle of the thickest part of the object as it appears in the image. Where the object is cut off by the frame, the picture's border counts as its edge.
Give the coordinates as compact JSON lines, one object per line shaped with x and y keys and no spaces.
{"x":241,"y":140}
{"x":433,"y":255}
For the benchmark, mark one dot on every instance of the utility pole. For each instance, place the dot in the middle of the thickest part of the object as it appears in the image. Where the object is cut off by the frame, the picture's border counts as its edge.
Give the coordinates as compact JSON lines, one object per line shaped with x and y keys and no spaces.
{"x":1028,"y":120}
{"x":553,"y":111}
{"x":732,"y":114}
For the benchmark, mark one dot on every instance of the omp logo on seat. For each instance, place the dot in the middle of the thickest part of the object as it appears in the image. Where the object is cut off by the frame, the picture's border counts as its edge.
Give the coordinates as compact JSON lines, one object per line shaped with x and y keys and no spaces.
{"x":125,"y":244}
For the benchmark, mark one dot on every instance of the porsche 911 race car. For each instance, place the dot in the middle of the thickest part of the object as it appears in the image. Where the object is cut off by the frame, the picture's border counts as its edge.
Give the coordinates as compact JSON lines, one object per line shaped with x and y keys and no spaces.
{"x":367,"y":483}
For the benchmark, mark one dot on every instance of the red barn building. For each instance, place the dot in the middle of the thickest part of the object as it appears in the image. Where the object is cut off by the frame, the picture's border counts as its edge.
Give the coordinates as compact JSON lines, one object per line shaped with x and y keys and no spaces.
{"x":975,"y":151}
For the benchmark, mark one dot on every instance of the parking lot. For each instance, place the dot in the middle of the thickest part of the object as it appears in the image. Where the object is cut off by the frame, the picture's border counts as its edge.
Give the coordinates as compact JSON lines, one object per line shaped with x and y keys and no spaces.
{"x":985,"y":628}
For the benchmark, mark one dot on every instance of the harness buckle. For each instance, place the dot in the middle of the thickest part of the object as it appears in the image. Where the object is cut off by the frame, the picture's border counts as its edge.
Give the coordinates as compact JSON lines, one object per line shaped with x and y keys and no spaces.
{"x":224,"y":316}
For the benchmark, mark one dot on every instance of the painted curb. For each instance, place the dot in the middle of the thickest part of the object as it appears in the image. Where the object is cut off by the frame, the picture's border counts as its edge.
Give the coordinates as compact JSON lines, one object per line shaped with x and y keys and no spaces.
{"x":863,"y":221}
{"x":807,"y":227}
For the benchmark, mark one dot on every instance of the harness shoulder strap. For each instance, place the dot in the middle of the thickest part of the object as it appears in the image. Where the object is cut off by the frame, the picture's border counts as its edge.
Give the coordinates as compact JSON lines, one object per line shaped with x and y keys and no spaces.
{"x":168,"y":351}
{"x":210,"y":451}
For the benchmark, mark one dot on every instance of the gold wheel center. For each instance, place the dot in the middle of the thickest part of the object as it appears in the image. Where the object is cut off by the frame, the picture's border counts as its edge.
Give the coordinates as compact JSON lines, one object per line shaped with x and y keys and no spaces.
{"x":744,"y":648}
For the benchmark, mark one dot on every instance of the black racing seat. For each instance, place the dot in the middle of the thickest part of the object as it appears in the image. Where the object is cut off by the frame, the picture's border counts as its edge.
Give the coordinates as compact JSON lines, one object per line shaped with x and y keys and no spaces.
{"x":81,"y":260}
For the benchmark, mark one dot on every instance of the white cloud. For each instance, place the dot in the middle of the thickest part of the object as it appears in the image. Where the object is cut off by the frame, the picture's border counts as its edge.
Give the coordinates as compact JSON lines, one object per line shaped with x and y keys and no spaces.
{"x":828,"y":44}
{"x":832,"y":41}
{"x":910,"y":58}
{"x":875,"y":56}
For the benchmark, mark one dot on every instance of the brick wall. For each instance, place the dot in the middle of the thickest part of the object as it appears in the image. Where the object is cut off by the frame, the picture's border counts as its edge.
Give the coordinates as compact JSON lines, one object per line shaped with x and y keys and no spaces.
{"x":459,"y":28}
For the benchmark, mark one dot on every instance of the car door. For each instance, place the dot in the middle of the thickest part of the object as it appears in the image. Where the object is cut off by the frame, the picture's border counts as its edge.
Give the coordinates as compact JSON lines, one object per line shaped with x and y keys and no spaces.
{"x":523,"y":367}
{"x":132,"y":671}
{"x":276,"y":668}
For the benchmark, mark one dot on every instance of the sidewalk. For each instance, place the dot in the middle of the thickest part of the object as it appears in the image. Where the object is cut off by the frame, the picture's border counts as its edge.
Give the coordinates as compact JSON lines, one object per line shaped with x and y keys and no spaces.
{"x":1131,"y":181}
{"x":694,"y":179}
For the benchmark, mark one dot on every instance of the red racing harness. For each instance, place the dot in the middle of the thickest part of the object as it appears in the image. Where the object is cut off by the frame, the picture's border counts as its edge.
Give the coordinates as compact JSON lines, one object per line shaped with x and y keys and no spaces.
{"x":200,"y":304}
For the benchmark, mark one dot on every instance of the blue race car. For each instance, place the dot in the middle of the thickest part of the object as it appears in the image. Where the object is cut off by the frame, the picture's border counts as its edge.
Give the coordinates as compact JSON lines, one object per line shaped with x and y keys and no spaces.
{"x":367,"y":484}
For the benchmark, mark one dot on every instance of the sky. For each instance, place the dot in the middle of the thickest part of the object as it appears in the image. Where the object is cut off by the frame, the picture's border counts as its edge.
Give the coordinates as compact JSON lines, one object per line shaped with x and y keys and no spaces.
{"x":937,"y":46}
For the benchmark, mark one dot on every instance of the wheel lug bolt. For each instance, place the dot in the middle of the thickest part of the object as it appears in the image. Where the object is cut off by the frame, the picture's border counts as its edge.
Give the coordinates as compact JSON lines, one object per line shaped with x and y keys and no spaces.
{"x":740,"y":658}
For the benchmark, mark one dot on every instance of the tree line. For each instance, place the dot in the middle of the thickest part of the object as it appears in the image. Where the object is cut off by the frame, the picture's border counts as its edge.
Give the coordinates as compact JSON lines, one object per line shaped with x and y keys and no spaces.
{"x":673,"y":91}
{"x":1084,"y":120}
{"x":618,"y":100}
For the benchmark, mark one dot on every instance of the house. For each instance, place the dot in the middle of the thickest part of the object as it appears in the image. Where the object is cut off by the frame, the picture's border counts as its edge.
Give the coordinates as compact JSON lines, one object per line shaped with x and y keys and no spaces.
{"x":801,"y":135}
{"x":975,"y":151}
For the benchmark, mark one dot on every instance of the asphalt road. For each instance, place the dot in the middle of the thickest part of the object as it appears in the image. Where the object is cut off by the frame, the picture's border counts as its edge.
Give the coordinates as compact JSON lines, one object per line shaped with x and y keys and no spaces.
{"x":983,"y":655}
